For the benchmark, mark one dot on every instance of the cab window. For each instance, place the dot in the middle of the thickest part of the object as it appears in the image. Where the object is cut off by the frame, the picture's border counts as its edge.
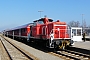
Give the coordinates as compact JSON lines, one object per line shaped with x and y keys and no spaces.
{"x":35,"y":23}
{"x":40,"y":22}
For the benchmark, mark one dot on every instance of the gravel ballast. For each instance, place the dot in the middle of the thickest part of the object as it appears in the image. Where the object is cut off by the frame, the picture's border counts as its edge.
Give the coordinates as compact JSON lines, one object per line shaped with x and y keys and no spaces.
{"x":35,"y":52}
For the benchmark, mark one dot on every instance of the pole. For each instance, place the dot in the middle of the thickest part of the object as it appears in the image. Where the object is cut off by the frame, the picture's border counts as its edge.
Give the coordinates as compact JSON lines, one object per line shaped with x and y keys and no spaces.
{"x":82,"y":22}
{"x":13,"y":34}
{"x":40,"y":12}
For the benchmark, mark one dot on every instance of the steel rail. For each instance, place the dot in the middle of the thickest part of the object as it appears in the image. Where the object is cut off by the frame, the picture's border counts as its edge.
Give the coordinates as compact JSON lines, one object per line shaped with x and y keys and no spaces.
{"x":6,"y":51}
{"x":18,"y":50}
{"x":70,"y":54}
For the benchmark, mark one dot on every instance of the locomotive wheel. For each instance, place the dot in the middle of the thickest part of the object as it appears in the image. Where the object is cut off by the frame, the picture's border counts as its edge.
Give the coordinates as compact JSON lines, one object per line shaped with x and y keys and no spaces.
{"x":63,"y":45}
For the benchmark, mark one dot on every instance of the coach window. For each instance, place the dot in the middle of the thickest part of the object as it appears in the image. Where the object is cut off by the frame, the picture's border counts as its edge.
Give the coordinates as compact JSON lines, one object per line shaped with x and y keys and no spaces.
{"x":23,"y":30}
{"x":17,"y":31}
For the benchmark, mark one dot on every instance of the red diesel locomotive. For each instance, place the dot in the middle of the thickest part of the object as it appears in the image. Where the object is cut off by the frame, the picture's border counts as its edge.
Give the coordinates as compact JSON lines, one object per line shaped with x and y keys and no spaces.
{"x":52,"y":34}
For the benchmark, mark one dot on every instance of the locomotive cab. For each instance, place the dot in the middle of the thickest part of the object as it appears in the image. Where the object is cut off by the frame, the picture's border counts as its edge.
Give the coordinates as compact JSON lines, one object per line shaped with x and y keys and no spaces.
{"x":39,"y":28}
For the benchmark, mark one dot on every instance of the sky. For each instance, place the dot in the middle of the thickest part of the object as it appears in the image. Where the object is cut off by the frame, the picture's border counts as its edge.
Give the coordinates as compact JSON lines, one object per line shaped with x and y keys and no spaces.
{"x":15,"y":13}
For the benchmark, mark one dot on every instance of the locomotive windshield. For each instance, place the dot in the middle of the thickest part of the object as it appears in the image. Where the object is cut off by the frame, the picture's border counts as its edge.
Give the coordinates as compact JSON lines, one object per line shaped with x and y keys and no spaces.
{"x":40,"y":22}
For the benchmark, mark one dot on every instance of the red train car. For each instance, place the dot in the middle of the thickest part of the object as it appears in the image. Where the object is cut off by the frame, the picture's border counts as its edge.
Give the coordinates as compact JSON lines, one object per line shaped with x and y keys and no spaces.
{"x":52,"y":34}
{"x":19,"y":32}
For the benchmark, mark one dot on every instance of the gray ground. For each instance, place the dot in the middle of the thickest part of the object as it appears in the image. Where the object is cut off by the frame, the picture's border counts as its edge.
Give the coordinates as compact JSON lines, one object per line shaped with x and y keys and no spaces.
{"x":81,"y":44}
{"x":37,"y":53}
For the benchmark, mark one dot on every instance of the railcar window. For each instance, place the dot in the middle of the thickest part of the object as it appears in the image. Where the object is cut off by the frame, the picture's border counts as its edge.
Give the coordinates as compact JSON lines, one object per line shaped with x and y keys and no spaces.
{"x":17,"y":31}
{"x":78,"y":32}
{"x":23,"y":30}
{"x":74,"y":32}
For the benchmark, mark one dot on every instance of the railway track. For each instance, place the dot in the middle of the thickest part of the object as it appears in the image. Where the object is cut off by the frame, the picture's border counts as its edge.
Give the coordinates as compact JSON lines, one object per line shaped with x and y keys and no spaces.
{"x":13,"y":52}
{"x":4,"y":55}
{"x":71,"y":55}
